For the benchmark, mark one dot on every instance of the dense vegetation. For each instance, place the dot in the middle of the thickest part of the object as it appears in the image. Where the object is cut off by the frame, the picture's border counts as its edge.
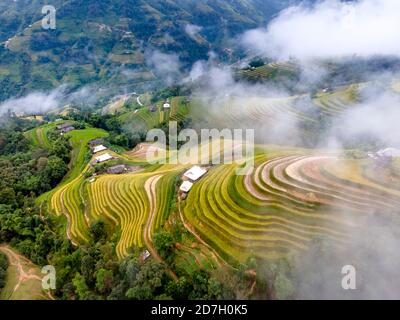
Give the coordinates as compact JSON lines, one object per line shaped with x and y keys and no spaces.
{"x":92,"y":270}
{"x":3,"y":269}
{"x":119,"y":35}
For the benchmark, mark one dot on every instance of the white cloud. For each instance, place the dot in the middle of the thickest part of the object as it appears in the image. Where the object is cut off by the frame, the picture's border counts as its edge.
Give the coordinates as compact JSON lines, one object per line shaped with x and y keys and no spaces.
{"x":167,"y":66}
{"x":377,"y":117}
{"x":330,"y":29}
{"x":192,"y":30}
{"x":33,"y":103}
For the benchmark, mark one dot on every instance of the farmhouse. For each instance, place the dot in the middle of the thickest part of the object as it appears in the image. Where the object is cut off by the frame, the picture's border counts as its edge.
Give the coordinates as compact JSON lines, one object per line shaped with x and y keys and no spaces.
{"x":145,"y":255}
{"x":96,"y":142}
{"x":186,"y":186}
{"x":117,"y":169}
{"x":167,"y":105}
{"x":99,"y":148}
{"x":103,"y":158}
{"x":195,"y":173}
{"x":65,"y":128}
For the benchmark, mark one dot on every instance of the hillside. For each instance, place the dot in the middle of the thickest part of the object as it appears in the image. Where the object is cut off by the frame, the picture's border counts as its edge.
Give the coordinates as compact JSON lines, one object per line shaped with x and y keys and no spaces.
{"x":200,"y":150}
{"x":118,"y":48}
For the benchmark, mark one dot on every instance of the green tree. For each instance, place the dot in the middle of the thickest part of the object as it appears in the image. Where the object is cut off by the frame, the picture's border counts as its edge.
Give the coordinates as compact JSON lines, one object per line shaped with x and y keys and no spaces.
{"x":81,"y":288}
{"x":104,"y":281}
{"x":164,"y":245}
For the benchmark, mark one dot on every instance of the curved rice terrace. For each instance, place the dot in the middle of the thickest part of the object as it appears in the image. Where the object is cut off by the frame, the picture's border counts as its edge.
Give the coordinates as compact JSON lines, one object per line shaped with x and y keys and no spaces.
{"x":234,"y":111}
{"x":38,"y":136}
{"x":152,"y":118}
{"x":63,"y":199}
{"x":121,"y":200}
{"x":290,"y":198}
{"x":269,"y":71}
{"x":124,"y":202}
{"x":287,"y":201}
{"x":334,"y":104}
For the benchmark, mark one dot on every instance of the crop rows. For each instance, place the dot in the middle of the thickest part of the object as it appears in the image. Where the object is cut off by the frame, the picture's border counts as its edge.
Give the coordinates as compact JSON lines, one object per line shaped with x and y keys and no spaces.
{"x":285,"y":203}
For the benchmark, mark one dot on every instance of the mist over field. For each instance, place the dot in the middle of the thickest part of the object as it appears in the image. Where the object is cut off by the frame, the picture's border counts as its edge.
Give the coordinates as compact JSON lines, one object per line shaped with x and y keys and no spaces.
{"x":317,"y":81}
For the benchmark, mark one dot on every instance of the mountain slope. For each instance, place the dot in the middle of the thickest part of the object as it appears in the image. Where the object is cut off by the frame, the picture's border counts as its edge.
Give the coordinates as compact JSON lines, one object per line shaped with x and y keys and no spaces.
{"x":115,"y":41}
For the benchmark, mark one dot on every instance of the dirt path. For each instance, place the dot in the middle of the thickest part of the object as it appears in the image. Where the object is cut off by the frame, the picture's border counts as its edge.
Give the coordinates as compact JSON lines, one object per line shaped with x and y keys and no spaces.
{"x":150,"y":187}
{"x":25,"y":271}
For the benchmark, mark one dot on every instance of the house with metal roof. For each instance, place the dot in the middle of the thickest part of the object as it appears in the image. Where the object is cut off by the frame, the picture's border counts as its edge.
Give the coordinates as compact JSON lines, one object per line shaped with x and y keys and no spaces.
{"x":103,"y":158}
{"x":195,"y":173}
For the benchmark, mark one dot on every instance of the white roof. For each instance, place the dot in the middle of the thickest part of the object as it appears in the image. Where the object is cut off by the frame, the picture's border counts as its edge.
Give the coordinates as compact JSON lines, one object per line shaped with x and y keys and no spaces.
{"x":389,"y":152}
{"x":104,"y":157}
{"x":146,"y":254}
{"x":99,"y":148}
{"x":167,"y":105}
{"x":186,"y":186}
{"x":195,"y":173}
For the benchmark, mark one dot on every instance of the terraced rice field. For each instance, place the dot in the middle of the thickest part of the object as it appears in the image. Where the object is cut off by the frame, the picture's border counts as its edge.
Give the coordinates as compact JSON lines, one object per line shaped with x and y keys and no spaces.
{"x":236,"y":112}
{"x":260,"y":109}
{"x":121,"y":200}
{"x":67,"y":198}
{"x":286,"y":202}
{"x":269,"y":71}
{"x":124,"y":201}
{"x":148,"y":119}
{"x":333,"y":104}
{"x":38,"y":136}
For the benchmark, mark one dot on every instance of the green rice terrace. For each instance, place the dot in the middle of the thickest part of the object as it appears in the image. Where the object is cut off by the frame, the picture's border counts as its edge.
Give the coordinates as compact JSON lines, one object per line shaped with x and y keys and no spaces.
{"x":292,"y":196}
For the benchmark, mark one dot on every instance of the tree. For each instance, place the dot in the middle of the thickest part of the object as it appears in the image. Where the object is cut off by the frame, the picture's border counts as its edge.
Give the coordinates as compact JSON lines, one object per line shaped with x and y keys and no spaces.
{"x":104,"y":281}
{"x":81,"y":288}
{"x":256,"y":63}
{"x":3,"y":270}
{"x":98,"y":231}
{"x":149,"y":281}
{"x":164,"y":245}
{"x":54,"y":171}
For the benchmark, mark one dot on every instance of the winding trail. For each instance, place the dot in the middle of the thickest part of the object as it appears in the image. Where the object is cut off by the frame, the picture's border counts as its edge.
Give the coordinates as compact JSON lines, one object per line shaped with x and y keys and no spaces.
{"x":26,"y":271}
{"x":150,"y":187}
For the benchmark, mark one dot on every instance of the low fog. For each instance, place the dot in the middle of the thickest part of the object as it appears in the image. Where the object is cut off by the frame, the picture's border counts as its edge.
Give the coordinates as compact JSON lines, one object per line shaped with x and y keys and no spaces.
{"x":329,"y":29}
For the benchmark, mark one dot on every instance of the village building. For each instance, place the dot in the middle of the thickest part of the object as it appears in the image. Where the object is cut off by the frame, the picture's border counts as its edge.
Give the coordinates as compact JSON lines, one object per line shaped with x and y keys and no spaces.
{"x":195,"y":173}
{"x":99,"y":148}
{"x":117,"y":169}
{"x":103,"y":158}
{"x":167,"y":105}
{"x":145,"y":255}
{"x":65,"y":128}
{"x":186,"y":186}
{"x":96,"y":142}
